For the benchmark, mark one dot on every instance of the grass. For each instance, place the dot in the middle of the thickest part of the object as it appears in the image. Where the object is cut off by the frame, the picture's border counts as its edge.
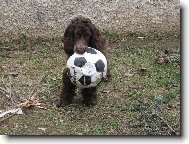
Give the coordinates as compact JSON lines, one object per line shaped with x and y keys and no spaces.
{"x":142,"y":98}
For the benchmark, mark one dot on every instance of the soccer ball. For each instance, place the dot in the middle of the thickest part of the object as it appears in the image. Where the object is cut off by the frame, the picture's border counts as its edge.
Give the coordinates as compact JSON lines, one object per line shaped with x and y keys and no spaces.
{"x":87,"y":70}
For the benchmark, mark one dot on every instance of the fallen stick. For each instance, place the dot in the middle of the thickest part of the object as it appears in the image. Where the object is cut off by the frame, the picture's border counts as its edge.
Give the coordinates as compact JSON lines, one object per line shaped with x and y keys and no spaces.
{"x":9,"y":49}
{"x":171,"y":129}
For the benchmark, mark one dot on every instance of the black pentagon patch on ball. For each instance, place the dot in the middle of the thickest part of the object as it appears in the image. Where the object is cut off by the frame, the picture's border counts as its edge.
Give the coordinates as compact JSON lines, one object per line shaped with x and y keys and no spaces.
{"x":85,"y":80}
{"x":80,"y":61}
{"x":100,"y":66}
{"x":91,"y":51}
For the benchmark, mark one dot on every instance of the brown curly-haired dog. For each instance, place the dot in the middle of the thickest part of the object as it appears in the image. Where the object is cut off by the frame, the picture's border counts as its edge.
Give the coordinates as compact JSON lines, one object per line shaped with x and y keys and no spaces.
{"x":79,"y":35}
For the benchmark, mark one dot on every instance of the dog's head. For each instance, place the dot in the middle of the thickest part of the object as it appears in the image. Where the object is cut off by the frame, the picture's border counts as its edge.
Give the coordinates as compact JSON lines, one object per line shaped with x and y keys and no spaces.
{"x":81,"y":34}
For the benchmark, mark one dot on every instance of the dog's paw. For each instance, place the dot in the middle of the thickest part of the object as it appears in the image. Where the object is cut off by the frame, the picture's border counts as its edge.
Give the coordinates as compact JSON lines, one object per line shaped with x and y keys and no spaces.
{"x":90,"y":103}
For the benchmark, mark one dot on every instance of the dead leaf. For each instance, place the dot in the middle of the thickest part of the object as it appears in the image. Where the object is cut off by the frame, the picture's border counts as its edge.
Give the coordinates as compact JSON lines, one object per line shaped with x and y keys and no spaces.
{"x":128,"y":74}
{"x":166,"y":58}
{"x":160,"y":91}
{"x":173,"y":58}
{"x":161,"y":60}
{"x":107,"y":91}
{"x":14,"y":74}
{"x":32,"y":101}
{"x":48,"y":44}
{"x":170,"y":106}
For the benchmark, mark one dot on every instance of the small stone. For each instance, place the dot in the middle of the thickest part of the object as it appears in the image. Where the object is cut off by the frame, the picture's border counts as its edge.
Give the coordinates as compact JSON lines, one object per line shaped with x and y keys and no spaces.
{"x":159,"y":97}
{"x":136,"y":87}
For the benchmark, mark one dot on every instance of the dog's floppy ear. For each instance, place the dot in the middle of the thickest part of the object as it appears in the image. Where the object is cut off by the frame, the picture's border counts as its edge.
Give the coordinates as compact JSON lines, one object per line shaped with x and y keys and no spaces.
{"x":69,"y":40}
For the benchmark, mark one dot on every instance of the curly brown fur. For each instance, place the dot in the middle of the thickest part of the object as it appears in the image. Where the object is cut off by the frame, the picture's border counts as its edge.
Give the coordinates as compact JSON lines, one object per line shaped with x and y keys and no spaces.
{"x":79,"y":35}
{"x":67,"y":90}
{"x":89,"y":96}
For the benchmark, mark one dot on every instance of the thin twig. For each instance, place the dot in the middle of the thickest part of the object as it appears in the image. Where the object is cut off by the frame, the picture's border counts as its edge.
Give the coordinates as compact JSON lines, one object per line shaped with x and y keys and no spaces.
{"x":9,"y":49}
{"x":3,"y":90}
{"x":7,"y":117}
{"x":34,"y":91}
{"x":6,"y":56}
{"x":6,"y":89}
{"x":10,"y":87}
{"x":171,"y":129}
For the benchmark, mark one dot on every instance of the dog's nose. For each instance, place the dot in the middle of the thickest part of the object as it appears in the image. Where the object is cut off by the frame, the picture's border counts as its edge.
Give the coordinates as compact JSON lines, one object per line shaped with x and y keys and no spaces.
{"x":80,"y":49}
